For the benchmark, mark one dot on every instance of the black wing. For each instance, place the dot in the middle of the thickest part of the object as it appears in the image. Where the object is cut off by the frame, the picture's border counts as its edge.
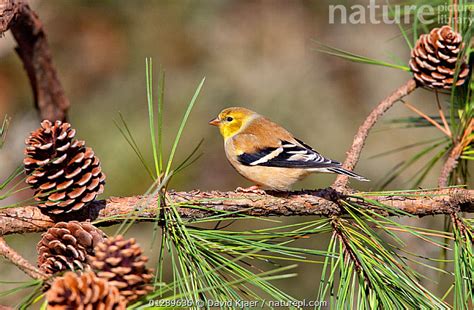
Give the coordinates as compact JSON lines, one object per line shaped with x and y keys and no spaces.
{"x":288,"y":155}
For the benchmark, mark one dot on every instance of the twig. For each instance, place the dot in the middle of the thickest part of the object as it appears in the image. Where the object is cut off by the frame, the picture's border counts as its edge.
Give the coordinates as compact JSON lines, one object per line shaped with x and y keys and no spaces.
{"x":441,"y":114}
{"x":358,"y":143}
{"x":453,"y":157}
{"x":429,"y":119}
{"x":18,"y":260}
{"x":195,"y":205}
{"x":349,"y":252}
{"x":33,"y":49}
{"x":449,"y":165}
{"x":459,"y":224}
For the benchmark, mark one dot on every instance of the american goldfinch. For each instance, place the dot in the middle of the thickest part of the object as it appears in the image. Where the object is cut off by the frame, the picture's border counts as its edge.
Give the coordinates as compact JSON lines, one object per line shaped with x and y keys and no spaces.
{"x":267,"y":154}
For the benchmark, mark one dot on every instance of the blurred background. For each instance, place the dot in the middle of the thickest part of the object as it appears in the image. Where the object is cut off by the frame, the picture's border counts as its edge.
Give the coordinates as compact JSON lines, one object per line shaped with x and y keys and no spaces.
{"x":256,"y":54}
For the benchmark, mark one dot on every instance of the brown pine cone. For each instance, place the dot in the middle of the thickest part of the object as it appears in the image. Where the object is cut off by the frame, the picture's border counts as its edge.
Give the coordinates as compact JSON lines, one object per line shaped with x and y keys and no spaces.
{"x":68,"y":246}
{"x":434,"y":57}
{"x":64,"y":174}
{"x":121,"y":262}
{"x":85,"y":291}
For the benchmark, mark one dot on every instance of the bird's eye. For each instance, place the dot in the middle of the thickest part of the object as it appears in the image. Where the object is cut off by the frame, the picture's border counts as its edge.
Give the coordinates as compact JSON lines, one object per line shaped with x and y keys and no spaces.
{"x":229,"y":118}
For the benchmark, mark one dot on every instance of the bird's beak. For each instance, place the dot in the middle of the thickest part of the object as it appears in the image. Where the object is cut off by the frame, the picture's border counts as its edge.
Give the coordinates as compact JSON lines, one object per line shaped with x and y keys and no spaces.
{"x":215,"y":122}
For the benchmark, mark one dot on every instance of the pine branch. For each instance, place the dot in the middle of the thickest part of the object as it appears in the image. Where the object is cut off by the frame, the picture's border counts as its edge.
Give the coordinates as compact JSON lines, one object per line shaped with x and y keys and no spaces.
{"x":195,"y":205}
{"x":358,"y":143}
{"x":350,"y":255}
{"x":454,"y":155}
{"x":33,"y":50}
{"x":10,"y":254}
{"x":449,"y":165}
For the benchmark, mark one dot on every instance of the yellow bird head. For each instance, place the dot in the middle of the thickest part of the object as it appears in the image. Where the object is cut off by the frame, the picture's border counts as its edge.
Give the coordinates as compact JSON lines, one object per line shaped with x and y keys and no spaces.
{"x":231,"y":120}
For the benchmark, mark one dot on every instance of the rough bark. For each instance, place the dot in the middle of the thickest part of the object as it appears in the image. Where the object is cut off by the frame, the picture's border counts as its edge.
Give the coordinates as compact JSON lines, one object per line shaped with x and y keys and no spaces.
{"x":196,"y":204}
{"x":33,"y":50}
{"x":453,"y":157}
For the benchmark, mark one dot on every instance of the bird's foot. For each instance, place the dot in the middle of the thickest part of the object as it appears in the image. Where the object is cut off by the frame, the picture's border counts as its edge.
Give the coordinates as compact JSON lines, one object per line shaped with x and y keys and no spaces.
{"x":254,"y":189}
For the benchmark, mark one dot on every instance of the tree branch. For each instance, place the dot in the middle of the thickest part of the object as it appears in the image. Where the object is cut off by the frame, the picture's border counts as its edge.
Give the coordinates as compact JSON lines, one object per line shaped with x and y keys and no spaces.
{"x":195,"y":204}
{"x":33,"y":50}
{"x":454,"y":155}
{"x":449,"y":165}
{"x":10,"y":254}
{"x":358,"y":143}
{"x":350,"y":255}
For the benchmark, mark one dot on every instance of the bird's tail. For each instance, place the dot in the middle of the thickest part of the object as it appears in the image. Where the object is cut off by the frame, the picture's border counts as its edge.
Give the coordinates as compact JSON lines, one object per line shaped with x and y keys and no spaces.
{"x":348,"y":173}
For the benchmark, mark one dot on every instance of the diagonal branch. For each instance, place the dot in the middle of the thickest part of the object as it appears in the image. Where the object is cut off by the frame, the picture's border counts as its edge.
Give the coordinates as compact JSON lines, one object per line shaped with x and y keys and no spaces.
{"x":350,"y":255}
{"x":33,"y":49}
{"x":195,"y":204}
{"x":454,"y":155}
{"x":358,"y":143}
{"x":10,"y":254}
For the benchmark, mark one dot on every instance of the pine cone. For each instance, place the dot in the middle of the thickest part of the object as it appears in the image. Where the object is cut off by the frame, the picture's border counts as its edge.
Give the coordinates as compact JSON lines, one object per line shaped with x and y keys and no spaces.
{"x":64,"y":174}
{"x":434,"y":57}
{"x":86,"y":291}
{"x":68,"y":246}
{"x":122,"y":264}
